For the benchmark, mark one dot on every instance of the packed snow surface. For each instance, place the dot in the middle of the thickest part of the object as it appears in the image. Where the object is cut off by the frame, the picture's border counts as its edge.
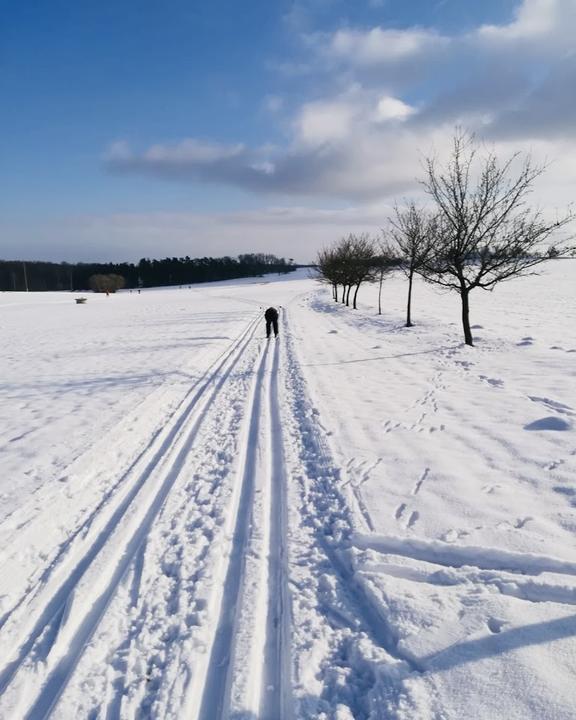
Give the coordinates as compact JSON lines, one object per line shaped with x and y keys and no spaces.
{"x":353,"y":520}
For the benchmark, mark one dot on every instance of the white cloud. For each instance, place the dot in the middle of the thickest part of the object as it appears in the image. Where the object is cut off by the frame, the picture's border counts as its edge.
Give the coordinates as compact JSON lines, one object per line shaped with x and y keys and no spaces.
{"x":325,"y":121}
{"x":391,"y":108}
{"x":378,"y":45}
{"x":360,"y":137}
{"x":534,"y":19}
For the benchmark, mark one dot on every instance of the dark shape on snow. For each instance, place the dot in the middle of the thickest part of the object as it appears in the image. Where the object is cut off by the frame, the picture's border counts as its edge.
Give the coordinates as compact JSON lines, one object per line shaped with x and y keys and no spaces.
{"x":548,"y":423}
{"x":271,"y":317}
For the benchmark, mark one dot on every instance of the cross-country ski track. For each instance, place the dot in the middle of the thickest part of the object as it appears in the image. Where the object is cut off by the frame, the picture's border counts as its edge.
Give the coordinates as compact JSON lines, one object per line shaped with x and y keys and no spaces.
{"x":351,"y":521}
{"x":110,"y":567}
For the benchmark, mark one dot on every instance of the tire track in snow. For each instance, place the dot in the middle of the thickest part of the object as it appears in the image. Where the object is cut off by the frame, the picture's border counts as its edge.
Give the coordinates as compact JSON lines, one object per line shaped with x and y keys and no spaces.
{"x":50,"y":630}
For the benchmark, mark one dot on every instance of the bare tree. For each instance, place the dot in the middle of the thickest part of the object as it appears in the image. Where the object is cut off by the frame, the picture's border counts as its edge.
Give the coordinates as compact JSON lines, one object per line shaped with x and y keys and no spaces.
{"x":384,"y":262}
{"x":333,"y":267}
{"x":486,"y":233}
{"x":360,"y":263}
{"x":414,"y":233}
{"x":348,"y":263}
{"x":326,"y":264}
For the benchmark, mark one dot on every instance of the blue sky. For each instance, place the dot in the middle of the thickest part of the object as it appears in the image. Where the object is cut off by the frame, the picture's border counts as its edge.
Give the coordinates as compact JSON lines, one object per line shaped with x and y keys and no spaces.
{"x":146,"y":128}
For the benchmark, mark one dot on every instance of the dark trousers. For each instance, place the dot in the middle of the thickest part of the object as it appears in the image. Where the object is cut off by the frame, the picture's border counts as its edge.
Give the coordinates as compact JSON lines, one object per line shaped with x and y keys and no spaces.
{"x":272,"y":323}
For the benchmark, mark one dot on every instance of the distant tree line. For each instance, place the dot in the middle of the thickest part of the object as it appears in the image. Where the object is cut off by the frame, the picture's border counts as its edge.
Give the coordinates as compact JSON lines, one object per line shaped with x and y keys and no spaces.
{"x":477,"y":232}
{"x":38,"y":275}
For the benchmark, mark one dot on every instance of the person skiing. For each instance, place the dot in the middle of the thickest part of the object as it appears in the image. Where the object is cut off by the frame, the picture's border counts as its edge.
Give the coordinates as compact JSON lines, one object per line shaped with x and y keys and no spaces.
{"x":271,"y":317}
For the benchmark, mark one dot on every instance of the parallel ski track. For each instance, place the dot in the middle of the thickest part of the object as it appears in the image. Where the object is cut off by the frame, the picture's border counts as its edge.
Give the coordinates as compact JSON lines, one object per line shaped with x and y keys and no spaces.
{"x":163,"y":435}
{"x":275,"y":703}
{"x":263,"y":454}
{"x":217,"y":685}
{"x":154,"y":475}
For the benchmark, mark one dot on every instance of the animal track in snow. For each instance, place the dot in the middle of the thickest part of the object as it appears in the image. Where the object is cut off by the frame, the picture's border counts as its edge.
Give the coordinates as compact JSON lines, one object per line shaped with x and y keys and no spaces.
{"x":465,"y":364}
{"x":416,"y":488}
{"x":553,"y":404}
{"x":389,"y":426}
{"x":400,"y":514}
{"x":489,"y":489}
{"x":521,"y":522}
{"x":495,"y":382}
{"x":400,"y":511}
{"x":526,"y":341}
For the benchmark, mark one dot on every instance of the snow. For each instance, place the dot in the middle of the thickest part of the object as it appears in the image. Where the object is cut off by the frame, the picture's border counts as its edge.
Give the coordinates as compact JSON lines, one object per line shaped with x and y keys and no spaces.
{"x":354,"y":520}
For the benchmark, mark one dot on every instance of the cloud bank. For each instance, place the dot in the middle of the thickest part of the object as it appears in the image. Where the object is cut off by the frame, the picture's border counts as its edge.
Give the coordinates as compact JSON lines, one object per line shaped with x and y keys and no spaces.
{"x":385,"y":97}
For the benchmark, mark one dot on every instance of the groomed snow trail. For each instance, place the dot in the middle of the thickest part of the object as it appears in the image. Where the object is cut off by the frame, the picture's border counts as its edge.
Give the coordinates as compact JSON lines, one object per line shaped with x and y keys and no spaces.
{"x":248,"y":668}
{"x":350,"y":522}
{"x":49,"y":629}
{"x":217,"y":563}
{"x":177,"y":580}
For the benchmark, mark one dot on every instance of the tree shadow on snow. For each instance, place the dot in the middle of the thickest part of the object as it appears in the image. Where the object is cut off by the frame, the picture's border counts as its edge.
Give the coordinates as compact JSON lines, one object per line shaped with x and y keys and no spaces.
{"x":383,"y":357}
{"x":499,"y":643}
{"x":381,"y":323}
{"x":88,"y":385}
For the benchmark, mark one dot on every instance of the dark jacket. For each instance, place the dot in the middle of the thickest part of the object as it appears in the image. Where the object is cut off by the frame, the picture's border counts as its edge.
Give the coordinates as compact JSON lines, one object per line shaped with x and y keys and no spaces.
{"x":271,"y":314}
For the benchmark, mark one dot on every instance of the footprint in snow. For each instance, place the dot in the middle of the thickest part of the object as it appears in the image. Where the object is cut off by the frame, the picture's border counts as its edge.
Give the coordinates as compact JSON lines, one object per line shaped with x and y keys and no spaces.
{"x":495,"y":625}
{"x":525,"y":341}
{"x":489,"y":489}
{"x":452,"y":535}
{"x":521,"y":522}
{"x":568,"y":492}
{"x":332,"y":332}
{"x":495,"y":382}
{"x":400,"y":511}
{"x":565,"y":490}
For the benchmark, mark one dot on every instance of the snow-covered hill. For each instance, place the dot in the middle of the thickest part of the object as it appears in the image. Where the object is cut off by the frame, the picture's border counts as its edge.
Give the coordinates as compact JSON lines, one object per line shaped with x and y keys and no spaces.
{"x":356,"y":520}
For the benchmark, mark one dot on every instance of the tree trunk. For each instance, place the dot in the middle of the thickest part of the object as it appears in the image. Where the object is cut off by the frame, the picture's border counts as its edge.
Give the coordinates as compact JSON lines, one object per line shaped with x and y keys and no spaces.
{"x":356,"y":295}
{"x":348,"y":296}
{"x":409,"y":306}
{"x":466,"y":316}
{"x":335,"y":292}
{"x":380,"y":292}
{"x":343,"y":294}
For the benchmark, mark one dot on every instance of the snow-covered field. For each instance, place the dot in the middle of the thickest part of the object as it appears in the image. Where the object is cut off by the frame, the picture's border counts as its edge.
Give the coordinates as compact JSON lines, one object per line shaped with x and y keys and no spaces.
{"x":356,"y":520}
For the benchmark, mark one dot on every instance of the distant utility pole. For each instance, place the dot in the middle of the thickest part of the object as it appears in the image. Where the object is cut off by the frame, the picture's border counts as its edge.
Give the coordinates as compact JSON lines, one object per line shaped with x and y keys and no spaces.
{"x":25,"y":277}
